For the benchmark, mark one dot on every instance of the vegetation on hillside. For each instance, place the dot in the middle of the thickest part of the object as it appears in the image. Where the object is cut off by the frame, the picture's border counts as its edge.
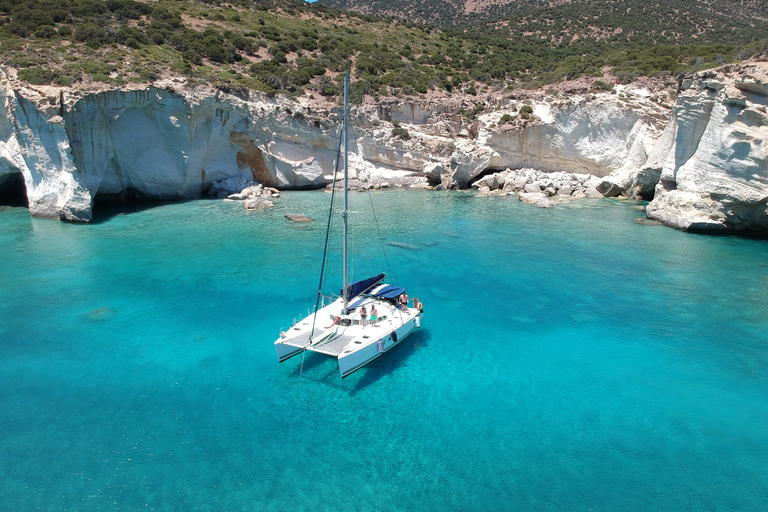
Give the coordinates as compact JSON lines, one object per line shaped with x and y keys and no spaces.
{"x":289,"y":46}
{"x":715,"y":17}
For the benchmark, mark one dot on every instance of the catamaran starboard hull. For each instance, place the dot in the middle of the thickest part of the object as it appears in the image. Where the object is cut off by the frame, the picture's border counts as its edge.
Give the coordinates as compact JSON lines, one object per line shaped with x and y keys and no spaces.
{"x":352,"y":362}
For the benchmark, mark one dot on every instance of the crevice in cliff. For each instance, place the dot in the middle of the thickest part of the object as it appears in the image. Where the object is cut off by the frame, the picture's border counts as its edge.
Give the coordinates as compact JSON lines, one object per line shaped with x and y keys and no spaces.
{"x":13,"y":190}
{"x":647,"y":195}
{"x":669,"y":185}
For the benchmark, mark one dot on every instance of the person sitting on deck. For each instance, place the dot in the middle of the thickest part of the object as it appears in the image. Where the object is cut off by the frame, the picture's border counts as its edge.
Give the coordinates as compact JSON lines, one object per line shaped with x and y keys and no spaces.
{"x":363,"y":315}
{"x":373,"y":314}
{"x":404,"y":301}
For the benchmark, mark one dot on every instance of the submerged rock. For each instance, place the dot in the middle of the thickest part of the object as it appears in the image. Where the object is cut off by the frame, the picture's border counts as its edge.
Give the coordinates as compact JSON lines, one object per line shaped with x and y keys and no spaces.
{"x":101,"y":313}
{"x":258,"y":203}
{"x":404,"y":245}
{"x":298,"y":217}
{"x":647,"y":222}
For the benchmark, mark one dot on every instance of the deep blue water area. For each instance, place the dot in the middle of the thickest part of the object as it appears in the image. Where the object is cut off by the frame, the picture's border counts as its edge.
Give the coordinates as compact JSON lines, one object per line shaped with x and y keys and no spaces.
{"x":569,"y":359}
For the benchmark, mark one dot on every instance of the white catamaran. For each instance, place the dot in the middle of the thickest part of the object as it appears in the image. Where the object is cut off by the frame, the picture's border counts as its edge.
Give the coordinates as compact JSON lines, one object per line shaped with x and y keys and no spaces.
{"x":340,"y":329}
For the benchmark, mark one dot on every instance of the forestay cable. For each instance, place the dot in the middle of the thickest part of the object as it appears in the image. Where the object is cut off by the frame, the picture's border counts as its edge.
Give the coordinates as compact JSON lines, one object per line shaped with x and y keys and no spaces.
{"x":325,"y":253}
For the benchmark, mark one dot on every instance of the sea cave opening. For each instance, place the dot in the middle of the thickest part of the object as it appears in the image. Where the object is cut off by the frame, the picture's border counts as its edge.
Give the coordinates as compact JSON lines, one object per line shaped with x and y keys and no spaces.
{"x":128,"y":195}
{"x":13,"y":190}
{"x":127,"y":200}
{"x":486,"y":172}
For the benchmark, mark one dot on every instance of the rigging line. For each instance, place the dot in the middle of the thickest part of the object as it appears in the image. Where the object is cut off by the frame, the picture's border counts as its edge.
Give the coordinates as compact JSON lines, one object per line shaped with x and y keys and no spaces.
{"x":381,"y":241}
{"x":322,"y":266}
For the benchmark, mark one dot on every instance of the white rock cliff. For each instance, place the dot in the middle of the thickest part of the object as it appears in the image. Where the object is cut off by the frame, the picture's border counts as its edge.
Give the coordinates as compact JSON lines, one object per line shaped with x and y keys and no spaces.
{"x":704,"y":158}
{"x":713,"y":156}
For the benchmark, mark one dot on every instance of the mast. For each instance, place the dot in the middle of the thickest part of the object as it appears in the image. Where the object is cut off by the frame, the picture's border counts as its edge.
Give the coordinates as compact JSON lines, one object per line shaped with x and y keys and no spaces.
{"x":346,"y":211}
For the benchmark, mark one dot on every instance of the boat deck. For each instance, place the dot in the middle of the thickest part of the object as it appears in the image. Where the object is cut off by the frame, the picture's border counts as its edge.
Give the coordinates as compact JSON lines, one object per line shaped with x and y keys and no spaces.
{"x":339,"y":340}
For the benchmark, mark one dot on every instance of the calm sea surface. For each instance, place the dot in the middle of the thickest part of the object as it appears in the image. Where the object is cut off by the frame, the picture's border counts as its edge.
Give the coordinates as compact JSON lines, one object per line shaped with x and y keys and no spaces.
{"x":569,"y":359}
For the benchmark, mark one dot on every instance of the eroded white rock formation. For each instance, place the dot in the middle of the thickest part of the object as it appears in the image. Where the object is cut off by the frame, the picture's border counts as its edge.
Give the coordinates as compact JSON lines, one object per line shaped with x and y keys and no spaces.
{"x":713,"y":157}
{"x":152,"y":144}
{"x":705,"y":159}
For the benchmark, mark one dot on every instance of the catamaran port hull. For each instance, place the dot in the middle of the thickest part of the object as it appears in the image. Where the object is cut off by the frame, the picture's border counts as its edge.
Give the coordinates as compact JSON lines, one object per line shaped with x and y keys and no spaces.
{"x":286,"y":351}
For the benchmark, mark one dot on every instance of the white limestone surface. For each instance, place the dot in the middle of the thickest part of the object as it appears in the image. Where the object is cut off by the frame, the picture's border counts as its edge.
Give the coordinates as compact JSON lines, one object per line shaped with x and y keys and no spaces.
{"x":714,"y":174}
{"x":704,"y":159}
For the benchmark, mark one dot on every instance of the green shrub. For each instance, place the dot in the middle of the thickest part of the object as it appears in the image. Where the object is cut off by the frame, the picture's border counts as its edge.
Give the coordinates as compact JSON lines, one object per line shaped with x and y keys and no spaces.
{"x":192,"y":57}
{"x":41,"y":76}
{"x":401,"y":133}
{"x":18,"y":29}
{"x":599,"y":84}
{"x":46,"y":32}
{"x":64,"y":31}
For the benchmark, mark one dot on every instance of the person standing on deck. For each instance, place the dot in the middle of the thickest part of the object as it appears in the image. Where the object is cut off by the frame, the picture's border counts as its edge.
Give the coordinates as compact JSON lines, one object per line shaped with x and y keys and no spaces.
{"x":404,"y":301}
{"x":363,"y":315}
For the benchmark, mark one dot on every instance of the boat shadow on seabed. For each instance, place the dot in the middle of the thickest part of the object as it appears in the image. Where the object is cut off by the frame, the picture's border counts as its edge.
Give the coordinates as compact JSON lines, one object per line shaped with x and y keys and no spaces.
{"x":396,"y":358}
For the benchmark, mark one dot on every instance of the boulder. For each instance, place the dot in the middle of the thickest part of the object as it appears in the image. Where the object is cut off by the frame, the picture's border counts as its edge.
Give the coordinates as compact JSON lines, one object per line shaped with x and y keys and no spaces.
{"x":519,"y":183}
{"x":434,"y":172}
{"x":565,"y":191}
{"x":532,"y":188}
{"x":531,"y":197}
{"x":592,"y":193}
{"x":609,"y":188}
{"x":579,"y":193}
{"x":545,"y":202}
{"x":491,"y":182}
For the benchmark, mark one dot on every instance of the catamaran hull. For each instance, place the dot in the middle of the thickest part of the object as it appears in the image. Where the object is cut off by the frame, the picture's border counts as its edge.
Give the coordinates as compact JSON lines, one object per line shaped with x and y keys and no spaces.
{"x":350,"y":363}
{"x":286,"y":351}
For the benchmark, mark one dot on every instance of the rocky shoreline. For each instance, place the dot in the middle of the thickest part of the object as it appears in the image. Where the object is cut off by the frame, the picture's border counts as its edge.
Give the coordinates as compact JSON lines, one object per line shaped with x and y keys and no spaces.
{"x":699,"y":156}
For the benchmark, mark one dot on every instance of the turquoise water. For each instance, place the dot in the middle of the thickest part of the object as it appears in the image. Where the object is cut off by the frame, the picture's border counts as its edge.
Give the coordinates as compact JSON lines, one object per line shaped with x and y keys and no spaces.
{"x":570,"y":359}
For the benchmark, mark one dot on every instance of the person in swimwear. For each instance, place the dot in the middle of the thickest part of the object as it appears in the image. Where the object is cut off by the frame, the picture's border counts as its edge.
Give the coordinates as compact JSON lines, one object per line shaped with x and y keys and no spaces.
{"x":363,"y":315}
{"x":373,"y":315}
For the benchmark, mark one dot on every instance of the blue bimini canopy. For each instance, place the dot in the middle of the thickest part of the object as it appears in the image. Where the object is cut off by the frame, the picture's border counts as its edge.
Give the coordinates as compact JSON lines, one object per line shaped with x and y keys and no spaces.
{"x":363,"y":286}
{"x":383,"y":291}
{"x":387,"y":291}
